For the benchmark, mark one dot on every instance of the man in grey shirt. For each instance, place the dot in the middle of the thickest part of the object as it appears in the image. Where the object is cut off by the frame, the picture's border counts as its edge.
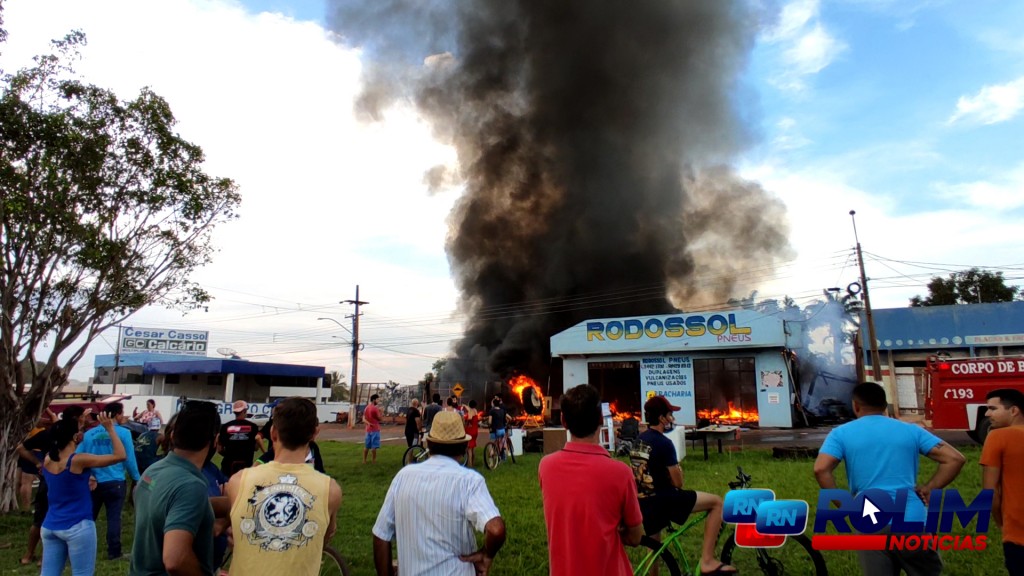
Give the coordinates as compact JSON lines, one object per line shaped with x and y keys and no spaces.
{"x":430,"y":411}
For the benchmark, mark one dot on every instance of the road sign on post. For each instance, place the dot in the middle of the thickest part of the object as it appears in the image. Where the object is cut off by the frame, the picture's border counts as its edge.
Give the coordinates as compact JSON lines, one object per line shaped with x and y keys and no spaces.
{"x":457,"y":390}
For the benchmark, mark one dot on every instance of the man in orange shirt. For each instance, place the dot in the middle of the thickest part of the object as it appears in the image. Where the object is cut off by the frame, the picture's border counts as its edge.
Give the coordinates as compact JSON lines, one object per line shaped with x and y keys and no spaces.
{"x":1002,"y":461}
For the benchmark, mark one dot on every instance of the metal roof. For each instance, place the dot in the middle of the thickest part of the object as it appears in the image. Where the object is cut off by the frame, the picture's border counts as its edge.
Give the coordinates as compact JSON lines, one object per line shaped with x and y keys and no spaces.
{"x":228,"y":366}
{"x":958,"y":326}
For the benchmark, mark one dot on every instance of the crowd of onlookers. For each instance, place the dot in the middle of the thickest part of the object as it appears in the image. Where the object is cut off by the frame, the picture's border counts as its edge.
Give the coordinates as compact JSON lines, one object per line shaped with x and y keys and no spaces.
{"x":278,"y":515}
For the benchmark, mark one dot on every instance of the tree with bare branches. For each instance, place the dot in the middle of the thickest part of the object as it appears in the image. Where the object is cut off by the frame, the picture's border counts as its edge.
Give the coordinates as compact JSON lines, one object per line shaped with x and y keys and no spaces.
{"x":104,"y":209}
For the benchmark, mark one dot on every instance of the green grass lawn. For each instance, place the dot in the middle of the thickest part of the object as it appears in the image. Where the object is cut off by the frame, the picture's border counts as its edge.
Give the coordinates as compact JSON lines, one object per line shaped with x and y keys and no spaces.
{"x":517,"y":494}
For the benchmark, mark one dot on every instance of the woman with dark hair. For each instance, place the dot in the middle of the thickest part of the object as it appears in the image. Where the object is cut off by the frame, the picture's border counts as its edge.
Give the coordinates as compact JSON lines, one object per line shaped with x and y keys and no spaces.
{"x":68,"y":530}
{"x":472,"y":422}
{"x":150,"y":414}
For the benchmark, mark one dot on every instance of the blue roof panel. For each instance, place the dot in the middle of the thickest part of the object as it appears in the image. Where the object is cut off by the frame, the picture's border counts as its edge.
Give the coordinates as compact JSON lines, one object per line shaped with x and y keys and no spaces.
{"x":959,"y":326}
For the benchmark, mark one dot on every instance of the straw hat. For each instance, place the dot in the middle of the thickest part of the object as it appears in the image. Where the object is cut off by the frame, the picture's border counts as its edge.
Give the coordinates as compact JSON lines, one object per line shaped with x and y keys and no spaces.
{"x":447,"y":428}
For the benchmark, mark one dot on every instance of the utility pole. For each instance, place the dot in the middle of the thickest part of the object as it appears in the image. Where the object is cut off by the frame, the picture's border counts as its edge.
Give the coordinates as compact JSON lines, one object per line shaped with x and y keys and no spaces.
{"x":117,"y":362}
{"x":355,"y":358}
{"x":876,"y":362}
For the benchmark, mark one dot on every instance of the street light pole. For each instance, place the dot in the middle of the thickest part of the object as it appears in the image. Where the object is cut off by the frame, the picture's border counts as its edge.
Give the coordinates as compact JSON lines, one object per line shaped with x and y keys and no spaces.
{"x":352,"y":390}
{"x":876,"y":362}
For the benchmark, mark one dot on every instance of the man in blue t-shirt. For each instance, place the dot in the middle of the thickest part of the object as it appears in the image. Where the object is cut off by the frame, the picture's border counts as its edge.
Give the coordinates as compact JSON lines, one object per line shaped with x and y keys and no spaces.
{"x":881,"y":453}
{"x":659,"y":485}
{"x":110,"y":483}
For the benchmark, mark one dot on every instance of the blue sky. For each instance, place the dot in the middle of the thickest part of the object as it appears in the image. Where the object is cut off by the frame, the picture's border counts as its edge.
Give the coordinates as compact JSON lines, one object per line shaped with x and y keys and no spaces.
{"x":912,"y":113}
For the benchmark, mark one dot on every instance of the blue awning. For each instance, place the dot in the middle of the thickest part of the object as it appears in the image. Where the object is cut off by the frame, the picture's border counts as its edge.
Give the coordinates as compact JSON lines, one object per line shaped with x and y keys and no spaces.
{"x":959,"y":326}
{"x":228,"y":366}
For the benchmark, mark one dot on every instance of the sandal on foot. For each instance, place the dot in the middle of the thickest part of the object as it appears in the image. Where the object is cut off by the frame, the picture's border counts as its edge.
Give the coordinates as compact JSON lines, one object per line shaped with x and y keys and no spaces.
{"x":720,"y":571}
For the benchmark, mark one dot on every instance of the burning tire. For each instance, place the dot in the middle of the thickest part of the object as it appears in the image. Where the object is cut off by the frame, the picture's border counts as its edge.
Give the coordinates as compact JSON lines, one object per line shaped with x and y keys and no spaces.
{"x":533,"y":401}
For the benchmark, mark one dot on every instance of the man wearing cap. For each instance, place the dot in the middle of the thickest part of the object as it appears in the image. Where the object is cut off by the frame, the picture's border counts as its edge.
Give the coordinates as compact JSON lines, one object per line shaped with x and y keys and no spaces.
{"x":582,"y":481}
{"x":659,"y":481}
{"x":435,"y":534}
{"x":237,"y":440}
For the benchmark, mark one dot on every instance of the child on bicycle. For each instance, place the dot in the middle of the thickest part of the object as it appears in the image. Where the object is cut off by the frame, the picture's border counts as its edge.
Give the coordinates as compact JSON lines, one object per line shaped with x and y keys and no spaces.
{"x":659,"y":482}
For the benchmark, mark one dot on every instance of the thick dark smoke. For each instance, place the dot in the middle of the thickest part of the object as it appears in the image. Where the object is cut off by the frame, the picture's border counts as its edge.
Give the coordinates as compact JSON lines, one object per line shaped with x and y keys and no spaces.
{"x":593,"y":140}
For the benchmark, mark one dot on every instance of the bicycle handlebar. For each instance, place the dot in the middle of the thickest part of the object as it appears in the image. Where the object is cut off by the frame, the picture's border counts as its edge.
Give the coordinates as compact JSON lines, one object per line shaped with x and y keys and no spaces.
{"x":742,"y":480}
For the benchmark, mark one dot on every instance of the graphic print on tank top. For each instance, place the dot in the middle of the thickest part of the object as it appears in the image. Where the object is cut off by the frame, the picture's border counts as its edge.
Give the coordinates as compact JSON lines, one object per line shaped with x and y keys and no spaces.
{"x":277,"y":519}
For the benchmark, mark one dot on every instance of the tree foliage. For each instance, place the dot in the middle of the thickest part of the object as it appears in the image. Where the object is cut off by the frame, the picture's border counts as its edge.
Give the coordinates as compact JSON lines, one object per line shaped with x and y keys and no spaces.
{"x":973,"y":286}
{"x":104,"y":209}
{"x":339,"y":388}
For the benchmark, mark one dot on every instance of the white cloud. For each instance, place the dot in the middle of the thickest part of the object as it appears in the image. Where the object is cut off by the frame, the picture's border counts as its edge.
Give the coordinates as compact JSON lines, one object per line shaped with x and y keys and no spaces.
{"x":1004,"y":192}
{"x":788,"y":136}
{"x":327,"y":203}
{"x":802,"y":44}
{"x":818,"y":202}
{"x":992,"y":104}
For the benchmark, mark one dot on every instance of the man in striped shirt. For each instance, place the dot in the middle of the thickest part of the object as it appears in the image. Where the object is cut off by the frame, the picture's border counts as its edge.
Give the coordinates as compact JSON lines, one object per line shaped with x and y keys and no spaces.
{"x":435,"y":533}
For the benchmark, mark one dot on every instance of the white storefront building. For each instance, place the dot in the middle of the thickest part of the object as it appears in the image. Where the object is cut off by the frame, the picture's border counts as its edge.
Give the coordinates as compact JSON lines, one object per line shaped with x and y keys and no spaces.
{"x":706,"y":363}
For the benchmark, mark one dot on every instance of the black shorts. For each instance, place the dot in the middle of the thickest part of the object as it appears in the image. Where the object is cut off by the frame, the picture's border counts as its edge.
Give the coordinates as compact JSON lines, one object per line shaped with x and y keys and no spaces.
{"x":41,"y":504}
{"x":661,"y":509}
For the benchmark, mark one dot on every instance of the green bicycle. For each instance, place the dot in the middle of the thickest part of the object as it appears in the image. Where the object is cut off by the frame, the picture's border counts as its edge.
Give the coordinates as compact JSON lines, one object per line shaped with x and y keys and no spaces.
{"x":795,"y":557}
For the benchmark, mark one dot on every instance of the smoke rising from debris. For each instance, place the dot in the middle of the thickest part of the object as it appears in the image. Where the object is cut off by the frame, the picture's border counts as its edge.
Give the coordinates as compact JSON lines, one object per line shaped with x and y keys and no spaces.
{"x":593,"y":141}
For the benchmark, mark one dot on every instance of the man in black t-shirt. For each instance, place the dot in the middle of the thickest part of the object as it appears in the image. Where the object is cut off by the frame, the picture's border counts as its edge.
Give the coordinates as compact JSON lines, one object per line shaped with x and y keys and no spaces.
{"x":413,"y":423}
{"x":237,"y":440}
{"x":497,"y":418}
{"x":659,"y":485}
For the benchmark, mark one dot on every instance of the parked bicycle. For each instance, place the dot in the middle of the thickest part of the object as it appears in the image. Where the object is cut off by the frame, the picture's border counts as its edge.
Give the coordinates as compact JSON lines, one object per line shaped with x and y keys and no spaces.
{"x":419,"y":452}
{"x":795,"y":557}
{"x":499,"y":450}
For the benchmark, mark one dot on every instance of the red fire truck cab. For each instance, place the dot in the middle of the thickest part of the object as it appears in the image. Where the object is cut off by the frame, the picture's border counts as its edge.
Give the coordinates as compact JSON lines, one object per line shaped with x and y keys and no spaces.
{"x":956,"y":388}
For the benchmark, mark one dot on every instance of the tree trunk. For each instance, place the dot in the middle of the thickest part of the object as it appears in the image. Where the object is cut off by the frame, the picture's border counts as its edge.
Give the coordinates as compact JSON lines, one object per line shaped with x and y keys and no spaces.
{"x":13,"y":429}
{"x":18,"y":413}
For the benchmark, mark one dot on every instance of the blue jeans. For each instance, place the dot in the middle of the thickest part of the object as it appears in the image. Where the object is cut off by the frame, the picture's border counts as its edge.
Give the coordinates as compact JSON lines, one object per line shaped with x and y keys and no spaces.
{"x":111,"y":496}
{"x":77,"y":543}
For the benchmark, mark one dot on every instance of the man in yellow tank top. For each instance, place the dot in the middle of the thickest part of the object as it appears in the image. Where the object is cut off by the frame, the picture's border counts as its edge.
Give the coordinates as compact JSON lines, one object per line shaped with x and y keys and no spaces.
{"x":284,"y":511}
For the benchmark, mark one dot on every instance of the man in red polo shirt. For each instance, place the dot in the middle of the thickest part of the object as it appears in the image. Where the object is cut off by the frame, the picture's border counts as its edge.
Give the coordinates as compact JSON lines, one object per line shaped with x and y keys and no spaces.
{"x":590,"y":501}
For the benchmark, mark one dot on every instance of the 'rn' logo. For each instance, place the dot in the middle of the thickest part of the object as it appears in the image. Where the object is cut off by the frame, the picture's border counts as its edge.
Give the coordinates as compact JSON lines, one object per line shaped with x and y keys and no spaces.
{"x":762,"y":520}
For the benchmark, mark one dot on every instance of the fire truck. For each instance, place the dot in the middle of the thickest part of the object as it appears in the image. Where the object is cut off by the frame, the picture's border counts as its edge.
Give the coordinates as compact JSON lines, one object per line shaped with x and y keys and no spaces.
{"x":956,"y":388}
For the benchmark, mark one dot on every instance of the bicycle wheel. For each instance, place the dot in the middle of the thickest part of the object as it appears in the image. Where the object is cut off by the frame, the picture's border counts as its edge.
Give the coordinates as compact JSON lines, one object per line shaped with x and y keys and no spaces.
{"x":332,"y":563}
{"x":795,"y":557}
{"x":414,"y":455}
{"x":642,"y":556}
{"x":491,"y":456}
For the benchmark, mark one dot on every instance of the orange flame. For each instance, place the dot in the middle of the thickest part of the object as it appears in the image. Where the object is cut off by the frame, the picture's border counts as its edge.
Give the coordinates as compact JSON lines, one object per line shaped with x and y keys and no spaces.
{"x":619,"y":415}
{"x":519,"y":386}
{"x":731,"y":415}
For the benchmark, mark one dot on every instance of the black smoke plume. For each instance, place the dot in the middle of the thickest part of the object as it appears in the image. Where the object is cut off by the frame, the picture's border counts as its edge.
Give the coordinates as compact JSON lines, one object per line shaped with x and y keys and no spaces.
{"x":593,"y":141}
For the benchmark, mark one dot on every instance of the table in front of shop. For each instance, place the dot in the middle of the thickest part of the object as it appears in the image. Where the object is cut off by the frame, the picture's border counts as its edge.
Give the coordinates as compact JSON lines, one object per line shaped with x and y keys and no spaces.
{"x":716,"y":432}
